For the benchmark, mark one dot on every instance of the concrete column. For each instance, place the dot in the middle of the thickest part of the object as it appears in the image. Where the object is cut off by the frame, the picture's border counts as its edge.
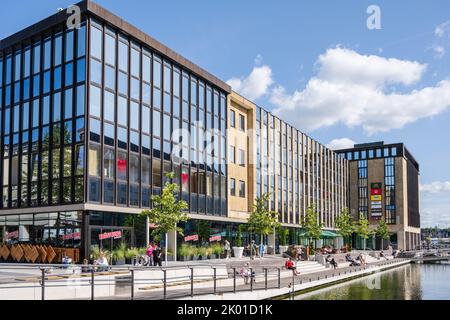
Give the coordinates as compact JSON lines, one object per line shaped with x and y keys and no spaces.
{"x":401,"y":241}
{"x":271,"y":241}
{"x":172,"y":243}
{"x":147,"y":231}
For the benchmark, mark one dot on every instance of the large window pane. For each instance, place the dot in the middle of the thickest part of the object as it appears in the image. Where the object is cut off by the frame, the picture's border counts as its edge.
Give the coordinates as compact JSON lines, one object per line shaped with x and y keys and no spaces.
{"x":95,"y":101}
{"x":109,"y":106}
{"x":94,"y":160}
{"x":96,"y":43}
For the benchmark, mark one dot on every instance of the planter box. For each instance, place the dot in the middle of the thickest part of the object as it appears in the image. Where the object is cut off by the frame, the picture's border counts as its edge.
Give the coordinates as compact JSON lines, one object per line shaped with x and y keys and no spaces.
{"x":188,"y":258}
{"x":119,"y":262}
{"x":212,"y":256}
{"x":238,"y":252}
{"x":195,"y":258}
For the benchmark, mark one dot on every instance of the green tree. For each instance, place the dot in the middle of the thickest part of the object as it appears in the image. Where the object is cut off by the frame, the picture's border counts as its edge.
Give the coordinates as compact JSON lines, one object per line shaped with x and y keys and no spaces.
{"x":167,"y":211}
{"x":262,"y":221}
{"x":311,"y":224}
{"x":345,"y":224}
{"x":283,"y":232}
{"x":363,"y":229}
{"x":239,"y":241}
{"x":382,"y":231}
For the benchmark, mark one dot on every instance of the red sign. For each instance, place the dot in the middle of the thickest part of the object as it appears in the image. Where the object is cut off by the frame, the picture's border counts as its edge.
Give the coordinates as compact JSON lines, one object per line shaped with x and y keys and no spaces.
{"x":184,"y":177}
{"x":375,"y":192}
{"x":121,"y":165}
{"x":191,"y":238}
{"x":109,"y":235}
{"x":12,"y":235}
{"x":215,"y":238}
{"x":75,"y":236}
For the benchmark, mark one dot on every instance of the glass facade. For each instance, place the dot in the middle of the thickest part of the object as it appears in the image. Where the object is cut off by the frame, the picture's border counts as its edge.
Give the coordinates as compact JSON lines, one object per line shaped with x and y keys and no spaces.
{"x":149,"y":116}
{"x":298,"y":172}
{"x":42,"y":89}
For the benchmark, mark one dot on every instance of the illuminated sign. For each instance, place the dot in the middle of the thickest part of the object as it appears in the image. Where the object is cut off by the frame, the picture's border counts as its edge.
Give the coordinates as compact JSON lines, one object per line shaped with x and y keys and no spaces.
{"x":191,"y":238}
{"x":375,"y":198}
{"x":69,"y":236}
{"x":215,"y":238}
{"x":109,"y":235}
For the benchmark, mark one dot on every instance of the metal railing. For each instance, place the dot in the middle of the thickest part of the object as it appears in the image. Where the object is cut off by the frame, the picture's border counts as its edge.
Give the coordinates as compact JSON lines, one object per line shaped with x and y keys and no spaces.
{"x":50,"y":282}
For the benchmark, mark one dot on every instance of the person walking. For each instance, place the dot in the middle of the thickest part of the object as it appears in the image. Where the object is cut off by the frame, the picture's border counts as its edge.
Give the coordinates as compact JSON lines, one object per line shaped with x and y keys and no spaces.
{"x":262,"y":249}
{"x":149,"y":253}
{"x":253,"y":250}
{"x":157,"y":256}
{"x":227,"y":249}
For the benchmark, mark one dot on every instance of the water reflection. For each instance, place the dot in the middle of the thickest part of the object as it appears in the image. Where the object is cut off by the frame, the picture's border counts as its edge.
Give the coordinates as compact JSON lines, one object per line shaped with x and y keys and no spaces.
{"x":410,"y":282}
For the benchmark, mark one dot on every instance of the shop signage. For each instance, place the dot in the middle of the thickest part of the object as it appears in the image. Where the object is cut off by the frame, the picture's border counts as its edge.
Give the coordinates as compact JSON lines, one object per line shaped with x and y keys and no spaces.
{"x":376,"y":185}
{"x":69,"y":236}
{"x":215,"y":238}
{"x":109,"y":235}
{"x":12,"y":235}
{"x":191,"y":238}
{"x":375,"y":198}
{"x":376,"y":213}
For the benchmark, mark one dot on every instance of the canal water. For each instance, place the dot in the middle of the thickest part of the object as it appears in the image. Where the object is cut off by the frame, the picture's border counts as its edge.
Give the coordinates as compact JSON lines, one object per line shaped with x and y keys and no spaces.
{"x":409,"y":282}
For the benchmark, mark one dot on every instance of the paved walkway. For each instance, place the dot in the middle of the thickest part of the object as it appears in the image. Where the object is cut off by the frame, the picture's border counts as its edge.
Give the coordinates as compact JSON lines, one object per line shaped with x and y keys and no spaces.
{"x":272,"y":283}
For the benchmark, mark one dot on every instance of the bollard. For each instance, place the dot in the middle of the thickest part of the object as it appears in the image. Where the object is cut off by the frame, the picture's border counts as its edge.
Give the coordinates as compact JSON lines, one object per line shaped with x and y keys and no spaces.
{"x":132,"y":284}
{"x":215,"y":280}
{"x":234,"y":280}
{"x":92,"y":284}
{"x":293,"y":283}
{"x":265,"y":278}
{"x":279,"y":278}
{"x":251,"y":279}
{"x":192,"y":282}
{"x":43,"y":284}
{"x":165,"y":284}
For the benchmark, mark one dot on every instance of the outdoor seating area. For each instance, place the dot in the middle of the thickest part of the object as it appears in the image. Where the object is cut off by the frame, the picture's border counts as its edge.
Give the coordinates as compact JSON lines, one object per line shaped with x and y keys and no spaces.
{"x":37,"y":253}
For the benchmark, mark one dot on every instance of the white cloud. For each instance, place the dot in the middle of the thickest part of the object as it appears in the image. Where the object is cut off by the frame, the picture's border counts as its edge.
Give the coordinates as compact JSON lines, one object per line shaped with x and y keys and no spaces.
{"x":343,"y":143}
{"x":442,"y":29}
{"x":435,"y":187}
{"x":356,"y":90}
{"x":439,"y":51}
{"x":256,"y":84}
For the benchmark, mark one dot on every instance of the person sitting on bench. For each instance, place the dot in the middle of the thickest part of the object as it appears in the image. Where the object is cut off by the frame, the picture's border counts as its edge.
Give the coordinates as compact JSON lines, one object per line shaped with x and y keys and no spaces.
{"x":331,"y":261}
{"x":290,"y":265}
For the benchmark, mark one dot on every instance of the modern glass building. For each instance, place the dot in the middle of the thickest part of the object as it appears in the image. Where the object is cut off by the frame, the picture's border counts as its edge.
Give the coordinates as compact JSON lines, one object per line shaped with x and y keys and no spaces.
{"x":384,"y":184}
{"x":94,"y":115}
{"x":295,"y":169}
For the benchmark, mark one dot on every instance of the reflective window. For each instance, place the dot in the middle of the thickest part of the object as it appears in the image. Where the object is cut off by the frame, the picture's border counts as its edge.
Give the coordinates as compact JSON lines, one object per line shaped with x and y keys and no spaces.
{"x":109,"y":106}
{"x":122,"y":110}
{"x":94,"y":160}
{"x":96,"y":43}
{"x":110,"y":49}
{"x":95,"y":101}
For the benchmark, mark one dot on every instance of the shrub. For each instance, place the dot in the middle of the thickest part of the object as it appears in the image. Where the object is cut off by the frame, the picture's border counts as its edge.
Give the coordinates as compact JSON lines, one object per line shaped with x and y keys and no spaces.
{"x":217,"y":249}
{"x":186,"y":250}
{"x":131,"y":253}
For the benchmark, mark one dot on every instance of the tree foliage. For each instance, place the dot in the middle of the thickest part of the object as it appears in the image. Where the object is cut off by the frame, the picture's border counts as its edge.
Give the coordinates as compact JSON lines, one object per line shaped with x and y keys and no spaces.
{"x":345,"y":224}
{"x":311,"y":224}
{"x":167,"y":210}
{"x":363,"y":227}
{"x":382,"y":230}
{"x":262,"y":221}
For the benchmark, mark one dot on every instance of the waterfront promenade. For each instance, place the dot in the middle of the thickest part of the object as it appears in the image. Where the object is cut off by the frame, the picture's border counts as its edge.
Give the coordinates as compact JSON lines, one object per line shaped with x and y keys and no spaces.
{"x":210,"y":279}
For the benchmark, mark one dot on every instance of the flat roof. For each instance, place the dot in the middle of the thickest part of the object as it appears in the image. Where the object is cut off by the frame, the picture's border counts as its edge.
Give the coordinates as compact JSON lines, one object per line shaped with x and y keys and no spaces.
{"x":91,"y":8}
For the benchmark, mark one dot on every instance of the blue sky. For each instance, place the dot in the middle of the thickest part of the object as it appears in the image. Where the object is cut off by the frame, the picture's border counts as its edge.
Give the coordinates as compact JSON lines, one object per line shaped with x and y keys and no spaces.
{"x":291,"y":57}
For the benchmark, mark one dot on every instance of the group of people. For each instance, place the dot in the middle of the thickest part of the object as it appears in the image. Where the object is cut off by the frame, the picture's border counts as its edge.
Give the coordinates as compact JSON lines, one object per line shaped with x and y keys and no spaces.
{"x":153,"y":255}
{"x":253,"y":250}
{"x":359,"y":261}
